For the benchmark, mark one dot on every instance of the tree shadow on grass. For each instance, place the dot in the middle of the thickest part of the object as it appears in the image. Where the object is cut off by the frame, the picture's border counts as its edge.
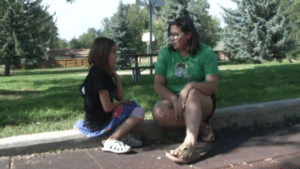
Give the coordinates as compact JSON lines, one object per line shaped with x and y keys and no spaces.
{"x":56,"y":104}
{"x":16,"y":93}
{"x":143,"y":92}
{"x":258,"y":85}
{"x":47,"y":71}
{"x":43,"y":106}
{"x":61,"y":102}
{"x":222,"y":63}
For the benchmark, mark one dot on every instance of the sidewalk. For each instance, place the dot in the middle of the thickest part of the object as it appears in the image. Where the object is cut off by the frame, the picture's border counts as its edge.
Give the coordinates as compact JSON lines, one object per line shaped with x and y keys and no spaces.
{"x":122,"y":72}
{"x":280,"y":143}
{"x":271,"y":147}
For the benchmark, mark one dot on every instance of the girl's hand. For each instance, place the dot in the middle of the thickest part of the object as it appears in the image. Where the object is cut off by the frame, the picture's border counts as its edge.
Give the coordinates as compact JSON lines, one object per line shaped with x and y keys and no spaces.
{"x":114,"y":74}
{"x":126,"y":102}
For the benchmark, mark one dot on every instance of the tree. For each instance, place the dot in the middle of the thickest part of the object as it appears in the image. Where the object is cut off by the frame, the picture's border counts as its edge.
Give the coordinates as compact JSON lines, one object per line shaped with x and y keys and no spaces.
{"x":70,"y":1}
{"x":74,"y":44}
{"x":59,"y":44}
{"x":292,"y":11}
{"x":86,"y":40}
{"x":121,"y":33}
{"x":142,"y":19}
{"x":170,"y":11}
{"x":159,"y":30}
{"x":106,"y":29}
{"x":138,"y":21}
{"x":207,"y":27}
{"x":26,"y":31}
{"x":256,"y":31}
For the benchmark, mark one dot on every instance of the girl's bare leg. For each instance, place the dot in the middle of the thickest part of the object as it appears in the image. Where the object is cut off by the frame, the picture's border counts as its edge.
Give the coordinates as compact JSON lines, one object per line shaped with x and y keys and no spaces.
{"x":124,"y":128}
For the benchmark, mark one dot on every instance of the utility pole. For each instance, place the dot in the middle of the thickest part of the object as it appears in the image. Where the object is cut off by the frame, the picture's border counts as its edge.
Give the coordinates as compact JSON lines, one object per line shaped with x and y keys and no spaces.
{"x":152,"y":3}
{"x":151,"y":32}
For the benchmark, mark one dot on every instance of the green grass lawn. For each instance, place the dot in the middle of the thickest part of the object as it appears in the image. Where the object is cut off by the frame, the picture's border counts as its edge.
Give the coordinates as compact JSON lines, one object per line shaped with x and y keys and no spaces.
{"x":33,"y":101}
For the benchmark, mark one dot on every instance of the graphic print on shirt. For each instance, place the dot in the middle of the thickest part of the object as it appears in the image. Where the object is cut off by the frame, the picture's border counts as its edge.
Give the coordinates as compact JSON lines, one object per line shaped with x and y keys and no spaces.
{"x":181,"y":71}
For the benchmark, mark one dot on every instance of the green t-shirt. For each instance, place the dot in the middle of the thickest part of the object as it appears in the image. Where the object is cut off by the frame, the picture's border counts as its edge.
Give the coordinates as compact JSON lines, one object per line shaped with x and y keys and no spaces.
{"x":179,"y":71}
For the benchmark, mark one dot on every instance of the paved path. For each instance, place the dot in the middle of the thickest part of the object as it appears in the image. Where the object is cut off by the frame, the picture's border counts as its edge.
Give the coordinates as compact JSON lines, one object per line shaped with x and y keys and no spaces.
{"x":120,"y":73}
{"x":275,"y":146}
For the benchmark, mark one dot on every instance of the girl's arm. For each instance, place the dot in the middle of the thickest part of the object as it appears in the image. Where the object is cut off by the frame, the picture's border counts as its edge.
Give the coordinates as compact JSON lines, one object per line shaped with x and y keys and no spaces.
{"x":107,"y":105}
{"x":118,"y":94}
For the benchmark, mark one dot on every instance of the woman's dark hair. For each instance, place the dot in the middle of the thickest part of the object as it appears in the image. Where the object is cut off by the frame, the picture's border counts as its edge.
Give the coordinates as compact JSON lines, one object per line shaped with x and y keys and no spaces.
{"x":99,"y":52}
{"x":186,"y":24}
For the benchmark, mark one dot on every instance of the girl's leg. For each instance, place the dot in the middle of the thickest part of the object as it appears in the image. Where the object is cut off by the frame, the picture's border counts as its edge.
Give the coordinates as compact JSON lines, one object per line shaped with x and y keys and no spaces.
{"x":131,"y":122}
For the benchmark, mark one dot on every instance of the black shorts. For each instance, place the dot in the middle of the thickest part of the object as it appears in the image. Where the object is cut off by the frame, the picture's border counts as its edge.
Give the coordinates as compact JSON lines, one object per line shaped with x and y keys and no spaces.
{"x":213,"y":98}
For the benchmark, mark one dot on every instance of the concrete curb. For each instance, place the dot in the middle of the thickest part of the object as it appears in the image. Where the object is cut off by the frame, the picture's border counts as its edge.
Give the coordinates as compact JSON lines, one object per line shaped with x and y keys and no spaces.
{"x":255,"y":114}
{"x":237,"y":116}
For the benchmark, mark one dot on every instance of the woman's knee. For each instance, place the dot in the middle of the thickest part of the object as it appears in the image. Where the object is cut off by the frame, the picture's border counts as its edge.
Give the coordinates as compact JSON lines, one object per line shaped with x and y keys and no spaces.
{"x":159,"y":110}
{"x":194,"y":93}
{"x":204,"y":101}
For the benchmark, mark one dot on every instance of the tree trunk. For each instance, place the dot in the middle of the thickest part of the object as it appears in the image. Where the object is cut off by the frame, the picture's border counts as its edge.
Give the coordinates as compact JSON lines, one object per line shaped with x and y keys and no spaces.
{"x":7,"y":67}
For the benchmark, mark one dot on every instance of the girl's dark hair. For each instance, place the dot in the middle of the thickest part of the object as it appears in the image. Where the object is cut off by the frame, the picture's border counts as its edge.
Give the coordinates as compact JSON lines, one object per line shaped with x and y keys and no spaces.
{"x":99,"y":52}
{"x":186,"y":24}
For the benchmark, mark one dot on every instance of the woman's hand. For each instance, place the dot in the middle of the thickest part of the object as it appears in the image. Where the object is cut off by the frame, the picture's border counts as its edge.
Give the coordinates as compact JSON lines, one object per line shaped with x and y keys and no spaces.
{"x":184,"y":94}
{"x":177,"y":109}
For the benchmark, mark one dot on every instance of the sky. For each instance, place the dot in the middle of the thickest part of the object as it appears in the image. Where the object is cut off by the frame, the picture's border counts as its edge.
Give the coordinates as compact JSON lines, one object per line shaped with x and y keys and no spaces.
{"x":74,"y":19}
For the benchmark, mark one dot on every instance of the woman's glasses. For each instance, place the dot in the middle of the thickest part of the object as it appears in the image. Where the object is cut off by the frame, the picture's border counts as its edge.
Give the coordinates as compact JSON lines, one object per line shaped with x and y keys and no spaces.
{"x":175,"y":35}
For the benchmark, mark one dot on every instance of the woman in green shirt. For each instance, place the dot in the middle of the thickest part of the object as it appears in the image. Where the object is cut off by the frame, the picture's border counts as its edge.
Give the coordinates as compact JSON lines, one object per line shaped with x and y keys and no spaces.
{"x":186,"y":78}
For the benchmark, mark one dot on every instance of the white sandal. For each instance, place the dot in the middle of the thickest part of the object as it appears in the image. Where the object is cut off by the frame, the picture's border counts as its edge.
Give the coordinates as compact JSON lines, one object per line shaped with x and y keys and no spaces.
{"x":130,"y":140}
{"x":115,"y":146}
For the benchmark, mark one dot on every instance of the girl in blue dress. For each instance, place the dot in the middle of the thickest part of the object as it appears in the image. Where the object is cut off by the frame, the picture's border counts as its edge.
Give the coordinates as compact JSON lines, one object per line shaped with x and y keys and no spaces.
{"x":103,"y":116}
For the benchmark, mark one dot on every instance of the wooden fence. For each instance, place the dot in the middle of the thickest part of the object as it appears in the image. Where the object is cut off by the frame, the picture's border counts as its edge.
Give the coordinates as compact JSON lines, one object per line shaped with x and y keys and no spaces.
{"x":84,"y":61}
{"x":73,"y":62}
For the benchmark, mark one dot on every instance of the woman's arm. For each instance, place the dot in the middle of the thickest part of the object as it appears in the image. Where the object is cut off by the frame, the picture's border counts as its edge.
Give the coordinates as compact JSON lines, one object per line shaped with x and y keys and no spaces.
{"x":165,"y":93}
{"x":107,"y":105}
{"x":208,"y":87}
{"x":162,"y":90}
